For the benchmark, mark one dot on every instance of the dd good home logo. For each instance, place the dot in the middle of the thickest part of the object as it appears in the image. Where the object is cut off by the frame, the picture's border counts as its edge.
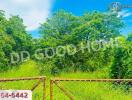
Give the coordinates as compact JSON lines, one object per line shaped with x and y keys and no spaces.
{"x":116,"y":6}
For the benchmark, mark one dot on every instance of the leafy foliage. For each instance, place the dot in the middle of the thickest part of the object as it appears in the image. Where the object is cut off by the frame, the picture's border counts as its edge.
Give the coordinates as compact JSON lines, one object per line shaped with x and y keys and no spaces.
{"x":121,"y":67}
{"x":13,"y":38}
{"x":73,"y":34}
{"x":64,"y":29}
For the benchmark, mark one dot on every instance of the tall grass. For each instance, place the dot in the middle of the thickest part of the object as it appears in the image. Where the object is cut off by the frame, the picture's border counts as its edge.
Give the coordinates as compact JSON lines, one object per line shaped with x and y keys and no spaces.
{"x":80,"y":90}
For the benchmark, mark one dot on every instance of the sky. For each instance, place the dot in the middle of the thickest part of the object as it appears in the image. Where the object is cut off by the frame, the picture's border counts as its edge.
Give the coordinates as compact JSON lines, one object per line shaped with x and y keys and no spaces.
{"x":35,"y":12}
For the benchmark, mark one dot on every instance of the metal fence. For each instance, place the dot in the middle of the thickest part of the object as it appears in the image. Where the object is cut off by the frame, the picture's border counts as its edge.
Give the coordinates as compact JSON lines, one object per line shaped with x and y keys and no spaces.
{"x":75,"y":89}
{"x":26,"y":83}
{"x":65,"y":89}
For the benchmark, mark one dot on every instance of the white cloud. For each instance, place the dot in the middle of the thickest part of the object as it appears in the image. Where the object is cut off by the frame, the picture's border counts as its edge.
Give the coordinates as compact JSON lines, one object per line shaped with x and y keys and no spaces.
{"x":33,"y":12}
{"x":124,"y":13}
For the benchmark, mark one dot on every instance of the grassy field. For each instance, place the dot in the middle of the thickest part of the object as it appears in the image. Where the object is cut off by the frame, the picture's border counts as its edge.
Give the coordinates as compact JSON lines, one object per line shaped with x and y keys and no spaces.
{"x":80,"y":90}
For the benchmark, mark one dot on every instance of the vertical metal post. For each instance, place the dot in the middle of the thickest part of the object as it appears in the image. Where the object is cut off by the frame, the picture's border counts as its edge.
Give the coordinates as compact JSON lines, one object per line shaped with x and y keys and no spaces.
{"x":51,"y":89}
{"x":44,"y":88}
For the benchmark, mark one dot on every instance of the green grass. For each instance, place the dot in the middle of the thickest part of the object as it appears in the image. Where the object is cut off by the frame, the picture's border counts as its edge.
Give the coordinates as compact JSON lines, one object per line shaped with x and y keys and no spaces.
{"x":80,"y":90}
{"x":91,"y":91}
{"x":27,"y":69}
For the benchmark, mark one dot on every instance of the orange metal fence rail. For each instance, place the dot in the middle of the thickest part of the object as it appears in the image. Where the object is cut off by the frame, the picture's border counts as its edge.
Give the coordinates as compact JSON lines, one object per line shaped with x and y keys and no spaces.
{"x":57,"y":80}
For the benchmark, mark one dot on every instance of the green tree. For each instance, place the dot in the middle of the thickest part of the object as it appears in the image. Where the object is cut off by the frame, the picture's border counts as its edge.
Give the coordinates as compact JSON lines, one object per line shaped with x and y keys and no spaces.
{"x":129,"y":38}
{"x":13,"y":38}
{"x":64,"y":28}
{"x":121,"y":67}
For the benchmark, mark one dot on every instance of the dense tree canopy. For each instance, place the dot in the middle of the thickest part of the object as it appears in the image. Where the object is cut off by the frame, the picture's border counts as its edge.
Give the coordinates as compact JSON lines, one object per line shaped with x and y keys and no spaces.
{"x":129,"y":38}
{"x":13,"y":38}
{"x":80,"y":43}
{"x":64,"y":29}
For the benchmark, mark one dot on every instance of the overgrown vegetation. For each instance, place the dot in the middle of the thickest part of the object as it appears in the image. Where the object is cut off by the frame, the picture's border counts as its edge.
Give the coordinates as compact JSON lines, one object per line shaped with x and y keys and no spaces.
{"x":66,"y":29}
{"x":70,"y":31}
{"x":13,"y":38}
{"x":101,"y":91}
{"x":69,"y":43}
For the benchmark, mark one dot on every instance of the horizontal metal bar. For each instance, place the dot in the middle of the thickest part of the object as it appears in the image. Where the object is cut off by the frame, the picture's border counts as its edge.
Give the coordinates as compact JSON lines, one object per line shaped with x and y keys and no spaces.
{"x":20,"y":79}
{"x":93,"y":80}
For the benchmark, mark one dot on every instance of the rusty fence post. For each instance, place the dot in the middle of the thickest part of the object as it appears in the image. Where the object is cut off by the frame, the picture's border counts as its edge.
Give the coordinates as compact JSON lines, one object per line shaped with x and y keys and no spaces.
{"x":44,"y":88}
{"x":51,"y":89}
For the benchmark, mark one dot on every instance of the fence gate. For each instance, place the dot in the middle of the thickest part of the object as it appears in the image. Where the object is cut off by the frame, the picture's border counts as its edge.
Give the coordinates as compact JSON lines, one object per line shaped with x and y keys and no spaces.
{"x":87,"y":89}
{"x":37,"y":85}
